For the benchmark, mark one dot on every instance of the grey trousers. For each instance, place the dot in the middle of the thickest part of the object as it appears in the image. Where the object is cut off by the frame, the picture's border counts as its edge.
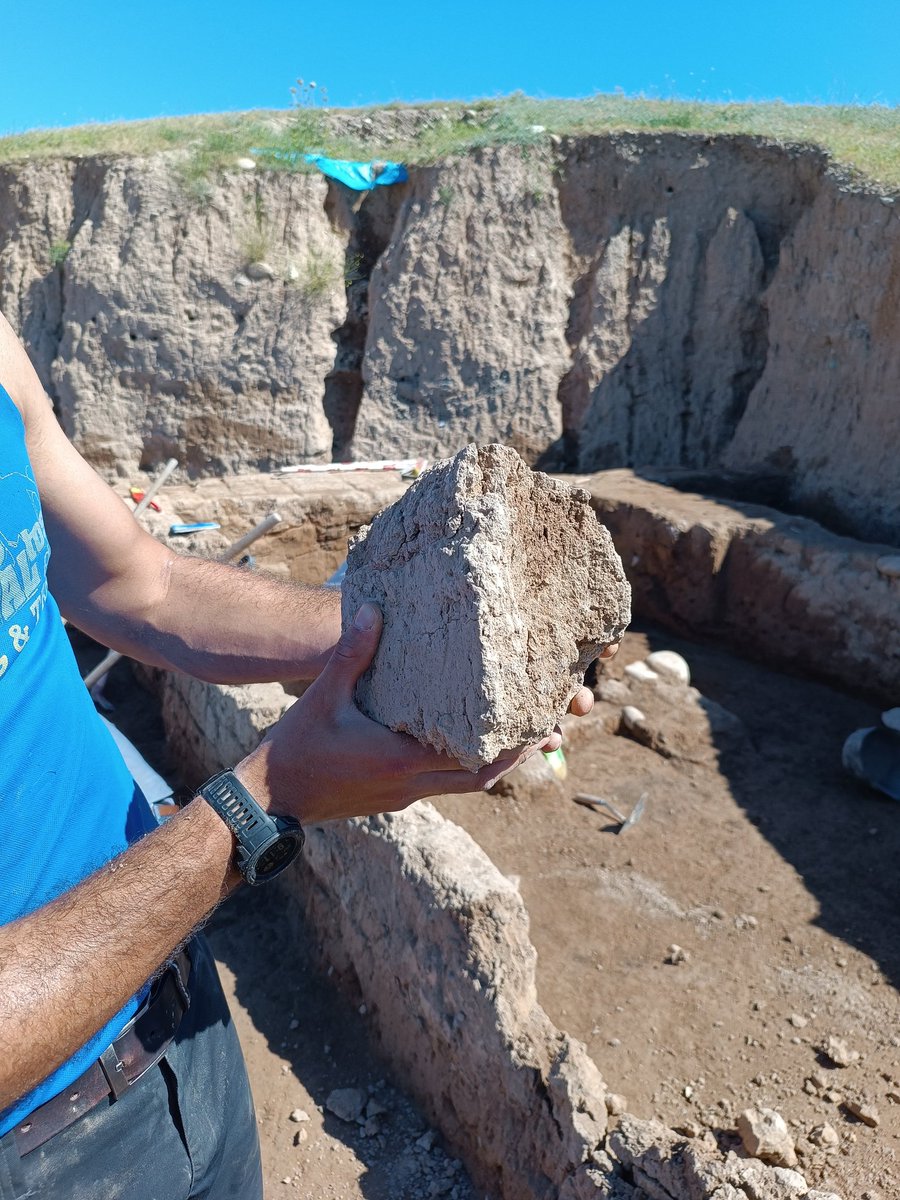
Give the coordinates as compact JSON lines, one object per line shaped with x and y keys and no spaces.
{"x":185,"y":1131}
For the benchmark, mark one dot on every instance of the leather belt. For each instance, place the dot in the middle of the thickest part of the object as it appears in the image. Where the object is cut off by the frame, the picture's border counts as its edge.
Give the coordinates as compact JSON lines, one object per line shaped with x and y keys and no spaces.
{"x":139,"y":1046}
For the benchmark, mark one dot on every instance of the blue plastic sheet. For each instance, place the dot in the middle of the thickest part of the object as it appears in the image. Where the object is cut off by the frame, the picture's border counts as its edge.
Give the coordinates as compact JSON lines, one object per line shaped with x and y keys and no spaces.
{"x":361,"y":176}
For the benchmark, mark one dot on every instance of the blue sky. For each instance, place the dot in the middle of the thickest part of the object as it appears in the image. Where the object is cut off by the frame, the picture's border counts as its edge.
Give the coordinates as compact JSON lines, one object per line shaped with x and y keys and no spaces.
{"x":64,"y":64}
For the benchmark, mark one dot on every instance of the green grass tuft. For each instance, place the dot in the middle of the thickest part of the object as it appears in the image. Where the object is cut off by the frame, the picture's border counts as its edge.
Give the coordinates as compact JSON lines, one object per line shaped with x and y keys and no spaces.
{"x":59,"y":252}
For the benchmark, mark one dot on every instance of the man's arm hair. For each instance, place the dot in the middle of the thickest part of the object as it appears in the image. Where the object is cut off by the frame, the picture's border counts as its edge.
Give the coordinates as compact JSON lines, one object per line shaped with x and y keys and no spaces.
{"x":69,"y":967}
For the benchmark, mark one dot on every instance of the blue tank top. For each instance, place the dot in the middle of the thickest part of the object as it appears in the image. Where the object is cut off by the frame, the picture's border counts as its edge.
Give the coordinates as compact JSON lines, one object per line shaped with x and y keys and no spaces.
{"x":67,"y":801}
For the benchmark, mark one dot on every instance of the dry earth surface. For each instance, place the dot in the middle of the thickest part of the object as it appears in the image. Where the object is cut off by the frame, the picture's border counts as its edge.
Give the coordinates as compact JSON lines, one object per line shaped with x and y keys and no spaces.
{"x":771,"y":871}
{"x":775,"y":875}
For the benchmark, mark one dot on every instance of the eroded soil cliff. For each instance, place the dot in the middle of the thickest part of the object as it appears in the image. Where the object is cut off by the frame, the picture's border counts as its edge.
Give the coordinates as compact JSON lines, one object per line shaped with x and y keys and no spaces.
{"x":624,"y":300}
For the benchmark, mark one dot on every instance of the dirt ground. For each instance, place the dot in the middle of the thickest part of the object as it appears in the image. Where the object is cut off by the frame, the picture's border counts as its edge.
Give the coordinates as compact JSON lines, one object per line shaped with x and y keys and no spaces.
{"x":772,"y":872}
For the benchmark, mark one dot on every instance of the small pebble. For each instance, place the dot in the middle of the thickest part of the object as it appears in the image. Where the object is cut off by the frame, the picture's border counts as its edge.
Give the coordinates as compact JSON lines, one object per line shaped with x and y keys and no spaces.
{"x":838,"y":1052}
{"x":867,"y":1113}
{"x":824,"y":1135}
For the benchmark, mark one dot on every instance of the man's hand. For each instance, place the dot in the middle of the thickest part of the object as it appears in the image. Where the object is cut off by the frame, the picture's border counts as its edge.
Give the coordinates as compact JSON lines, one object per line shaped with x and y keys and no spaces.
{"x":583,"y":700}
{"x":325,"y":760}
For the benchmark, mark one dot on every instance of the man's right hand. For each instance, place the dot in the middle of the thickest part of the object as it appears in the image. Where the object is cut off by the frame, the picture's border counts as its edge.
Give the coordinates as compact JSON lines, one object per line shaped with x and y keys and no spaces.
{"x":325,"y":760}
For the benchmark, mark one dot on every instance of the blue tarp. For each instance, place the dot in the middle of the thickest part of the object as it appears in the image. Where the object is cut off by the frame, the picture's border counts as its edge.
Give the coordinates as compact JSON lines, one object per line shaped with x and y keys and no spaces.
{"x":361,"y":176}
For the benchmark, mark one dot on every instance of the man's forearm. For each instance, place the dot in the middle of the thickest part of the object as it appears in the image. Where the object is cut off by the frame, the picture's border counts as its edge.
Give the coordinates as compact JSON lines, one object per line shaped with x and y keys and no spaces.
{"x":67,"y":968}
{"x":224,"y":624}
{"x":283,"y":630}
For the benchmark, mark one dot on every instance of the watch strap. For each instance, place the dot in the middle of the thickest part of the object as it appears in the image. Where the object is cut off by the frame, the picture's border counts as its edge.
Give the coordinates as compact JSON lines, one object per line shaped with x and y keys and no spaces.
{"x":255,"y":831}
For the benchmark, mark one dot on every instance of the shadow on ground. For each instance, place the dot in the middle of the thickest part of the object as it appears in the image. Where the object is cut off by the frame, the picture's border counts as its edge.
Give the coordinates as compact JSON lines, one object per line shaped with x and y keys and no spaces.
{"x":841,"y":837}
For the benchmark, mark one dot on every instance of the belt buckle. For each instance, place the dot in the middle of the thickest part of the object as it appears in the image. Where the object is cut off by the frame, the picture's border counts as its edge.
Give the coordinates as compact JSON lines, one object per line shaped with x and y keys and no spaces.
{"x":178,"y":969}
{"x":114,"y":1070}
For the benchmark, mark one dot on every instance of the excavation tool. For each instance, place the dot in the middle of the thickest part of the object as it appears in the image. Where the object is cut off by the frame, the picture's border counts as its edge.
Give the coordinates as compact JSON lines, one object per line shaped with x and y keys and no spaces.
{"x":597,"y":802}
{"x":157,"y":483}
{"x":230,"y":552}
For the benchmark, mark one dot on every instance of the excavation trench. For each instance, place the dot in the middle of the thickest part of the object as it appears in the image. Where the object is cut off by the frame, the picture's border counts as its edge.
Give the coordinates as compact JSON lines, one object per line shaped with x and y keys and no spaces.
{"x":676,"y":313}
{"x":583,"y":1012}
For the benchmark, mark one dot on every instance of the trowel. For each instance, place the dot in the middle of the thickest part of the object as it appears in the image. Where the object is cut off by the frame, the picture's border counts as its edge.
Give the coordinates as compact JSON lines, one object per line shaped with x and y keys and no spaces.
{"x":597,"y":802}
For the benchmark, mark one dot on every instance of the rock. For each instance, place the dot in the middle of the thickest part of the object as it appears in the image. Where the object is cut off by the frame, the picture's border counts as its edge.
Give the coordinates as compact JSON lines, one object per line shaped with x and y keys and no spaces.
{"x":259,"y":270}
{"x":867,"y":1113}
{"x":246,"y":164}
{"x":532,"y":780}
{"x":613,"y":691}
{"x":765,"y":1135}
{"x":790,"y":1183}
{"x":346,"y":1103}
{"x":838,"y":1052}
{"x":641,"y":672}
{"x":823,"y":1135}
{"x":300,"y":1137}
{"x":670,"y":665}
{"x":891,"y":719}
{"x":632,"y":718}
{"x":675,"y":955}
{"x":888,"y":566}
{"x":798,"y":1021}
{"x":498,"y":587}
{"x":616,"y":1104}
{"x":298,"y":1115}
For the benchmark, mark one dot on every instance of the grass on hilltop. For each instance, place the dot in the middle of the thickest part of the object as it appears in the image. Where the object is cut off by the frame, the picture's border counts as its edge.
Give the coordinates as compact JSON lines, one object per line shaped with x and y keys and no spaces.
{"x":864,"y":139}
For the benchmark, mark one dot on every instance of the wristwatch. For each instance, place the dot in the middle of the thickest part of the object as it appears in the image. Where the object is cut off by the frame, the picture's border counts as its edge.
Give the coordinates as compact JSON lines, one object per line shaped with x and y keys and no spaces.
{"x":265,"y":844}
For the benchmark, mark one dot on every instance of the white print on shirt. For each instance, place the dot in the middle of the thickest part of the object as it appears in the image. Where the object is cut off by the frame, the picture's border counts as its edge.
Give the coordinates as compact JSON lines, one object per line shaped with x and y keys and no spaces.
{"x":23,"y":572}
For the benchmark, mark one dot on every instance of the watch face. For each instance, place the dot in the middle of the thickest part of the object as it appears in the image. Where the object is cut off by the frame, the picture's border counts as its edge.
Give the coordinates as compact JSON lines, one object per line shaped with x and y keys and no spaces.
{"x":277,"y":856}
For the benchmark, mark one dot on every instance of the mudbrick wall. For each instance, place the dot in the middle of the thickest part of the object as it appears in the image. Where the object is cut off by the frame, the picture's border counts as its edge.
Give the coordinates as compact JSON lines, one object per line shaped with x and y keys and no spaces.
{"x":420,"y":924}
{"x":779,"y":588}
{"x":646,"y":301}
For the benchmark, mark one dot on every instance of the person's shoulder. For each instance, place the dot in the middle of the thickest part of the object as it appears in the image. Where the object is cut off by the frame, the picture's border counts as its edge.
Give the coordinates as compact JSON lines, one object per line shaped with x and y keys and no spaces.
{"x":18,"y":377}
